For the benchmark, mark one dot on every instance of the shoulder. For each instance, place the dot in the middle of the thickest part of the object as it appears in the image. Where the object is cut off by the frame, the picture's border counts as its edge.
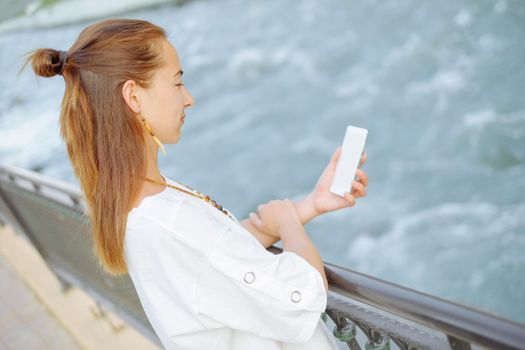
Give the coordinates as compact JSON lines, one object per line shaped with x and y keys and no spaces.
{"x":181,"y":221}
{"x":168,"y":210}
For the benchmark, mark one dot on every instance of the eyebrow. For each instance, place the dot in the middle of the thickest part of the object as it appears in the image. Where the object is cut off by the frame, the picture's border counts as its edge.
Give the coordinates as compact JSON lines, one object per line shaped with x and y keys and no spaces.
{"x":180,"y":71}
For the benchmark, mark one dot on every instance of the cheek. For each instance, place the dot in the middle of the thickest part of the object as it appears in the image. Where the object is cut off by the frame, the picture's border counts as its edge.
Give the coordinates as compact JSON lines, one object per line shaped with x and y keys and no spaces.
{"x":171,"y":99}
{"x":169,"y":105}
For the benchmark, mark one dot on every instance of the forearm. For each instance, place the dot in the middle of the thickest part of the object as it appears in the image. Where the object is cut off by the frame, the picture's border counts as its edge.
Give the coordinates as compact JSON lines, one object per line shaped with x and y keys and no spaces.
{"x":305,"y":209}
{"x":306,"y":212}
{"x":297,"y":241}
{"x":265,"y":239}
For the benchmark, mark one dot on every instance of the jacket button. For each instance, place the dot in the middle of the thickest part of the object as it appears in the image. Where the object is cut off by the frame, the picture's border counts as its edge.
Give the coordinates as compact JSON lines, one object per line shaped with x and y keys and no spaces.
{"x":296,"y":296}
{"x":249,"y":277}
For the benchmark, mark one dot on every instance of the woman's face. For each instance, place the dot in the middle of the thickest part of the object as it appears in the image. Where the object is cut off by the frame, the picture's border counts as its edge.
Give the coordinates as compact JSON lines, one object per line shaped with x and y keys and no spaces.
{"x":163,"y":104}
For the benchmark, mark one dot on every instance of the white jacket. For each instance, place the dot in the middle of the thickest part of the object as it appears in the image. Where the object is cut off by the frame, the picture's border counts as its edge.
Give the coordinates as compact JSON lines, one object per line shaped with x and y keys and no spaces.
{"x":205,"y":282}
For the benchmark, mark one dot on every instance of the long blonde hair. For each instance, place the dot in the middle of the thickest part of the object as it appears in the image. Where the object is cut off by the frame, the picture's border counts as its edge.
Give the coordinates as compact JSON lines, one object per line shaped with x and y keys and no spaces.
{"x":105,"y":141}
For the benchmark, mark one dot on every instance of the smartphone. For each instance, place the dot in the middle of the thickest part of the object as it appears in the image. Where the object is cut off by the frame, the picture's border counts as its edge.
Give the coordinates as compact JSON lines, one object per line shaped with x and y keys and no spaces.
{"x":351,"y":151}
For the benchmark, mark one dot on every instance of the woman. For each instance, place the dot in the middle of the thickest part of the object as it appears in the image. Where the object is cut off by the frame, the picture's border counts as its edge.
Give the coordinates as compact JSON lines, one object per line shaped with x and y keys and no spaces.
{"x":204,"y":279}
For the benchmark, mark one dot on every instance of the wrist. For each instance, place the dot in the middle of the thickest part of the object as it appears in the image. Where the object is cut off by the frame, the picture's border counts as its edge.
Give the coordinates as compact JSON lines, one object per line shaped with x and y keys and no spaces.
{"x":290,"y":230}
{"x":306,"y":209}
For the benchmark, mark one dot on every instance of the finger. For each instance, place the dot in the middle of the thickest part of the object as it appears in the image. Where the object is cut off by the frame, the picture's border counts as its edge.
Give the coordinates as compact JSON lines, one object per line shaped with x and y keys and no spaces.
{"x":357,"y":193}
{"x":362,"y":177}
{"x":363,"y":160}
{"x":254,"y":218}
{"x":358,"y":189}
{"x":335,"y":155}
{"x":357,"y":186}
{"x":350,"y":198}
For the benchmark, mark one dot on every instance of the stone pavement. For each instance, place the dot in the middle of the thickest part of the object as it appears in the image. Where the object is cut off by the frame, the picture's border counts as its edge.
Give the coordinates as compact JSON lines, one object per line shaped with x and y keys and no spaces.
{"x":24,"y":322}
{"x":36,"y":314}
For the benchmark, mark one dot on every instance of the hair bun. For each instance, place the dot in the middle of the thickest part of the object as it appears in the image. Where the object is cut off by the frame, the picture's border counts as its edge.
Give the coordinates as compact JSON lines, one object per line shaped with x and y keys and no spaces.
{"x":48,"y":62}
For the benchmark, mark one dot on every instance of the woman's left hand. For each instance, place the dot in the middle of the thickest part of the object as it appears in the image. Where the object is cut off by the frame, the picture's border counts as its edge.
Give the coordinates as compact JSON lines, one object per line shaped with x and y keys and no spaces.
{"x":324,"y":201}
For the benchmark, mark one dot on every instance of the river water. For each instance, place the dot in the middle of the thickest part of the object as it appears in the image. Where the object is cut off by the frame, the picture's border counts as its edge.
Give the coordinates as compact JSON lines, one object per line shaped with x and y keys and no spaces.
{"x":439,"y":85}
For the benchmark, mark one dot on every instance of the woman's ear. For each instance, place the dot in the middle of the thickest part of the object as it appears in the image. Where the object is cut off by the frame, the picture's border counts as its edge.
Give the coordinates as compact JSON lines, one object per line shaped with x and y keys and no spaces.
{"x":130,"y":96}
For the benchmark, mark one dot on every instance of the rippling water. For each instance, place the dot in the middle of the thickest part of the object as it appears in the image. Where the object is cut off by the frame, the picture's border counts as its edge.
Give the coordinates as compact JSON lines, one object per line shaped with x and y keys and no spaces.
{"x":439,"y":86}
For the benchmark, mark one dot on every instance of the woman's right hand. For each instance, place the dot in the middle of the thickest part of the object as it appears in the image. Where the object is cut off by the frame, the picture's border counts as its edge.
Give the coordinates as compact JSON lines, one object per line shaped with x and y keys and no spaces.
{"x":276,"y":217}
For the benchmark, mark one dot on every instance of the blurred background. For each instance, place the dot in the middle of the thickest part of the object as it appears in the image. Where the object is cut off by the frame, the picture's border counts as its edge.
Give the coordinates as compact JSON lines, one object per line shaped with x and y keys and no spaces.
{"x":439,"y":85}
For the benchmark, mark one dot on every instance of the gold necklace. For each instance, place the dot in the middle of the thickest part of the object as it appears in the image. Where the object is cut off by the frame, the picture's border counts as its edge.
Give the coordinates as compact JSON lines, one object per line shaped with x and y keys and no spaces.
{"x":199,"y":195}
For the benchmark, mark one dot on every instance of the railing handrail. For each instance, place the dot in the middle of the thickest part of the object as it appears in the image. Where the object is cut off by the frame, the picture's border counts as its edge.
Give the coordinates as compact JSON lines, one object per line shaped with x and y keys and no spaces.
{"x":461,"y":321}
{"x":450,"y":317}
{"x":39,"y":179}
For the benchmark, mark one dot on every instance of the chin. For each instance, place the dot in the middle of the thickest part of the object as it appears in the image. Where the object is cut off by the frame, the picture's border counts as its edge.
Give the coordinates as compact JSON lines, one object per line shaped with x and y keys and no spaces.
{"x":176,"y":139}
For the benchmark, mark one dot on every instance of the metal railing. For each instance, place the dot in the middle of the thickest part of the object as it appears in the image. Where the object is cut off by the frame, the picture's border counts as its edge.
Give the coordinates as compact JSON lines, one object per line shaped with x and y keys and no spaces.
{"x":362,"y":309}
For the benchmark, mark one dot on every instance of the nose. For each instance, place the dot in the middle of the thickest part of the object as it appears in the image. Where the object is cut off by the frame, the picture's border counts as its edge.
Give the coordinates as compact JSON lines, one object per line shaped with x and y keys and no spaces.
{"x":188,"y":99}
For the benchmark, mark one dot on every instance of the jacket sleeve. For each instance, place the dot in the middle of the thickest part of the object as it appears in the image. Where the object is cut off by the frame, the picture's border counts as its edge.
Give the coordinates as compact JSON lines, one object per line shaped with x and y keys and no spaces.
{"x":248,"y":288}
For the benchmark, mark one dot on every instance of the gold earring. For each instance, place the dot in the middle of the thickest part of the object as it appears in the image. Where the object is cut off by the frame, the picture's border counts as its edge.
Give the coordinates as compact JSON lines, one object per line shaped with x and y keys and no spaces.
{"x":146,"y":125}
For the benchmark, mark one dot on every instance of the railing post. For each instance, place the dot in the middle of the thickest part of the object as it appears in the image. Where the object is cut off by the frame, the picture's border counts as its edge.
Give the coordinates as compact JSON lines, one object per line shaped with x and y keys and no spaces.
{"x":344,"y":330}
{"x":377,"y":340}
{"x":458,"y":344}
